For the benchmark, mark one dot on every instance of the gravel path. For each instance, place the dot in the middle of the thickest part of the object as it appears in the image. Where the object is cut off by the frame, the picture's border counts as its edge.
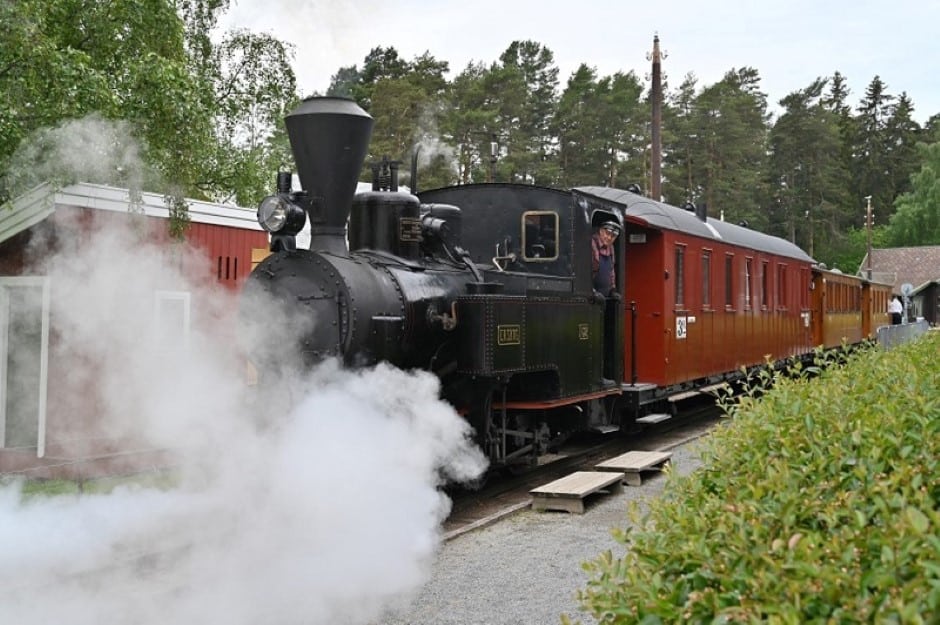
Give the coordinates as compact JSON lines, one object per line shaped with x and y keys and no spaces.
{"x":526,"y":569}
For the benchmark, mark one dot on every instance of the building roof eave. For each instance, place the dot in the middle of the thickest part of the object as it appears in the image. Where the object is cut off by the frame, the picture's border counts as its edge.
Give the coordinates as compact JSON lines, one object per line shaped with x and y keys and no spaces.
{"x":41,"y":202}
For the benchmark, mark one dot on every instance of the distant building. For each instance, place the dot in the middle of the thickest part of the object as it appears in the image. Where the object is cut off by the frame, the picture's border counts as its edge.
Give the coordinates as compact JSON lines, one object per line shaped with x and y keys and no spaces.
{"x":48,"y":402}
{"x":917,"y":266}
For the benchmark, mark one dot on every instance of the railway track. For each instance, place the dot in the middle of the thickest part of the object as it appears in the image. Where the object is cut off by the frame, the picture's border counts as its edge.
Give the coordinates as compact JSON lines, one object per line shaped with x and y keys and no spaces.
{"x":506,"y":493}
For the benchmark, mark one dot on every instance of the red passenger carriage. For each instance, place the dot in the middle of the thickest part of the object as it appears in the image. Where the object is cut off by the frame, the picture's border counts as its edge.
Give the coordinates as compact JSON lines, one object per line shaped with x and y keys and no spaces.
{"x":703,"y":297}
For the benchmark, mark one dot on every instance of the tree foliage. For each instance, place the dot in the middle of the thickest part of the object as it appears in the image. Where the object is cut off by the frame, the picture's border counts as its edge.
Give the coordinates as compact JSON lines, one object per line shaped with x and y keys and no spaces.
{"x":917,"y":219}
{"x":203,"y":116}
{"x":731,"y":117}
{"x":802,"y":176}
{"x":406,"y":99}
{"x":807,"y":177}
{"x":601,"y":126}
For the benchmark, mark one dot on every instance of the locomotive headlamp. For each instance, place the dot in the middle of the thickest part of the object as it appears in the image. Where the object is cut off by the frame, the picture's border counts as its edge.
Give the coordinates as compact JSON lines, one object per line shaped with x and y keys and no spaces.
{"x":278,"y":215}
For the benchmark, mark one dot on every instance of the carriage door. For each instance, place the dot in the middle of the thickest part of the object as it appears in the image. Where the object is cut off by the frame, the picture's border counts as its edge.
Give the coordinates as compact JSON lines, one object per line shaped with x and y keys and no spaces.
{"x":24,"y":339}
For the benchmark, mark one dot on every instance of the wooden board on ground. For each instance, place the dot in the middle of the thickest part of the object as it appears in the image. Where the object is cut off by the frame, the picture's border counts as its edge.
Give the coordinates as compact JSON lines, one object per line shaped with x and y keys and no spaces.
{"x":632,"y":463}
{"x":568,"y":493}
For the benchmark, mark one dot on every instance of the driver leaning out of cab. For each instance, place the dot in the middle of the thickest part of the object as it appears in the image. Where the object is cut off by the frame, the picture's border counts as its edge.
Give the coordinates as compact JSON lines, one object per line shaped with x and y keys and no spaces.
{"x":602,"y":259}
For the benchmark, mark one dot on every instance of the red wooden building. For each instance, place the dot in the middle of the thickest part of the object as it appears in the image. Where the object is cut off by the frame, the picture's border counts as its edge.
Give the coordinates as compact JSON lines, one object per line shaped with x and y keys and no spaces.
{"x":48,"y":399}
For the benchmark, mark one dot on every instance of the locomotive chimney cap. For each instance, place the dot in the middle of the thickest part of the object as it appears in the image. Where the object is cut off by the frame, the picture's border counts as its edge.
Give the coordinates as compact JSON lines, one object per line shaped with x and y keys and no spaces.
{"x":329,"y":138}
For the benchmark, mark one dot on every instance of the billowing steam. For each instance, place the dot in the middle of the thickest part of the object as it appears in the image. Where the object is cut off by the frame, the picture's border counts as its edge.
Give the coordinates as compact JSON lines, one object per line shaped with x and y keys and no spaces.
{"x":91,"y":149}
{"x":429,"y":145}
{"x":321,"y":507}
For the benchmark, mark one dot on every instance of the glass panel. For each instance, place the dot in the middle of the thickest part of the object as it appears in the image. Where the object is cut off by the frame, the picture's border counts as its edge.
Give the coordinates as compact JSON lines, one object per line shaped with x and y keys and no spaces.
{"x":729,"y":281}
{"x":680,"y":276}
{"x":706,"y":279}
{"x":765,"y":284}
{"x":22,"y":366}
{"x":747,"y":282}
{"x":539,"y":236}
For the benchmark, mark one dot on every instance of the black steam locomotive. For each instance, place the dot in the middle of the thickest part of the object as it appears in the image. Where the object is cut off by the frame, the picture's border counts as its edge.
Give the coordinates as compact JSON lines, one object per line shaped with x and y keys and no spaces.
{"x":509,"y":323}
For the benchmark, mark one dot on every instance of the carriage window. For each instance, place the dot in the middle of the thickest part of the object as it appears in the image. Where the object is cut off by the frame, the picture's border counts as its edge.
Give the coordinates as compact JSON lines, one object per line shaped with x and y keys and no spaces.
{"x":706,"y":279}
{"x":782,"y":286}
{"x":729,"y":280}
{"x":806,"y":284}
{"x":747,"y":282}
{"x":764,"y":284}
{"x":680,"y":277}
{"x":539,"y":236}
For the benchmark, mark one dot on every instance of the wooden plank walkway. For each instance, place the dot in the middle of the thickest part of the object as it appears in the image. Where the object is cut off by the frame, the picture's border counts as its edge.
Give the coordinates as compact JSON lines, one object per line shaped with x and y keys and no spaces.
{"x":568,"y":493}
{"x":633,"y":463}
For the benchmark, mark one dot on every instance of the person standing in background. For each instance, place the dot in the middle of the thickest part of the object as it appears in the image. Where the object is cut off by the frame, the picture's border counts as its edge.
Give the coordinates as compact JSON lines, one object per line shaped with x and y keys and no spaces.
{"x":895,"y":308}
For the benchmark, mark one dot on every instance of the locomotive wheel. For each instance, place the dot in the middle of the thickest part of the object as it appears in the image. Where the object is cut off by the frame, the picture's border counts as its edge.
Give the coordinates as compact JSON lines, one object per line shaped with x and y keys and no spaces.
{"x":481,"y":419}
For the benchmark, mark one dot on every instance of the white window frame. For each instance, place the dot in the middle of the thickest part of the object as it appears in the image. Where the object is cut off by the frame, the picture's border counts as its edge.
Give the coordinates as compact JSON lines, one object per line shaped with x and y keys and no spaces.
{"x":167,"y":296}
{"x":7,"y":283}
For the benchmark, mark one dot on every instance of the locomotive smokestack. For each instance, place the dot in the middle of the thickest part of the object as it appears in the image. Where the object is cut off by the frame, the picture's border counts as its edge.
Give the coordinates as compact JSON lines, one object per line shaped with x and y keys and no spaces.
{"x":329,"y":138}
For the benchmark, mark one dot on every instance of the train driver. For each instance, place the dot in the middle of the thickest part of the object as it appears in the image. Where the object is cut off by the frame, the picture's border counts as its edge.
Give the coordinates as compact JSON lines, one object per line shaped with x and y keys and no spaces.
{"x":602,"y":258}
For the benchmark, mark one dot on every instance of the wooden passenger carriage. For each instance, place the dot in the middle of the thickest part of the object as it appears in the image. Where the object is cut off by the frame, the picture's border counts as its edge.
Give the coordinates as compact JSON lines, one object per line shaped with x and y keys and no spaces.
{"x":703,"y":297}
{"x":847,"y":309}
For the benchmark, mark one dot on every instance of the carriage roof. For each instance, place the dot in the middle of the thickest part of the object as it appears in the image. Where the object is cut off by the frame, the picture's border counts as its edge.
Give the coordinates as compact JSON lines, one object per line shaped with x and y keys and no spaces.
{"x":646,"y":212}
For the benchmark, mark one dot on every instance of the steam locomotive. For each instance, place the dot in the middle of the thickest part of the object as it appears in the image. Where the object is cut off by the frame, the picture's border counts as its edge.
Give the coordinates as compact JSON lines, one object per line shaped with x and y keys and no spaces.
{"x":489,"y":287}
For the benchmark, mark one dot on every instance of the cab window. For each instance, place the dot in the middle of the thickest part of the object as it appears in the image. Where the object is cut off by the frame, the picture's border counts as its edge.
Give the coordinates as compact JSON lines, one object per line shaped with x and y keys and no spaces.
{"x":539,"y":236}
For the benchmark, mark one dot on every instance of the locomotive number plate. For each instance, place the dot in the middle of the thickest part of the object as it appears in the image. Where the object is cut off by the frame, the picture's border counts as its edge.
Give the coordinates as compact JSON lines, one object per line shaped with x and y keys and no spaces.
{"x":409,"y":229}
{"x":508,"y":334}
{"x":584,"y":332}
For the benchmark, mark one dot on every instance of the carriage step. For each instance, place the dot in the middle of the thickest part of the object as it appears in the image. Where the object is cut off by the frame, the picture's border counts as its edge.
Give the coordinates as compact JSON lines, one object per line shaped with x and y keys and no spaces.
{"x":655,"y":417}
{"x":606,"y":429}
{"x":681,"y":396}
{"x":633,"y":463}
{"x":568,"y":493}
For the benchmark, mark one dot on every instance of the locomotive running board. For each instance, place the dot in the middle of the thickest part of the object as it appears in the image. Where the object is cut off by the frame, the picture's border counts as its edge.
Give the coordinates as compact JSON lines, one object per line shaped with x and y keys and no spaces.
{"x":556,"y":403}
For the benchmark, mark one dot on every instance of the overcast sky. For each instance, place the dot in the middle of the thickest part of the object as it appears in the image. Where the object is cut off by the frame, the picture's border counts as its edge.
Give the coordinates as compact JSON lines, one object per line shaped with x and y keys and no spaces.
{"x":789,"y":42}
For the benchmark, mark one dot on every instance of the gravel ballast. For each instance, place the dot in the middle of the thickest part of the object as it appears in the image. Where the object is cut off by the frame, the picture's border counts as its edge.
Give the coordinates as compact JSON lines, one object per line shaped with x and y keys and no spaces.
{"x":526,"y":568}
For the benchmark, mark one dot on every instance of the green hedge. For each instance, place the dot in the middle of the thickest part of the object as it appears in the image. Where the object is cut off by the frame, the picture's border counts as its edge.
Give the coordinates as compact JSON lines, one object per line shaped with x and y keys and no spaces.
{"x":819,"y":503}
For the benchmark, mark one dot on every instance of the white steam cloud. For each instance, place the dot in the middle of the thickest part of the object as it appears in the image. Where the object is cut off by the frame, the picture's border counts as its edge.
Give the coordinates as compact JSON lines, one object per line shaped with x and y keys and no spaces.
{"x":327,"y":510}
{"x":429,"y":145}
{"x":90,"y":149}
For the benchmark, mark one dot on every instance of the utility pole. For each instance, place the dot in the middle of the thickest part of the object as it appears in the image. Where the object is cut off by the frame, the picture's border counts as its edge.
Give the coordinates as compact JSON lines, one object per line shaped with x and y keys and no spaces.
{"x":809,"y":220}
{"x":494,"y":150}
{"x":868,"y":224}
{"x":656,"y":96}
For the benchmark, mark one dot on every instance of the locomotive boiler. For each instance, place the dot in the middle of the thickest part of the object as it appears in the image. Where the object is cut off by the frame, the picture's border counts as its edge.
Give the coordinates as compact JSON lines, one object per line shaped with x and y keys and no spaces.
{"x":386,"y":300}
